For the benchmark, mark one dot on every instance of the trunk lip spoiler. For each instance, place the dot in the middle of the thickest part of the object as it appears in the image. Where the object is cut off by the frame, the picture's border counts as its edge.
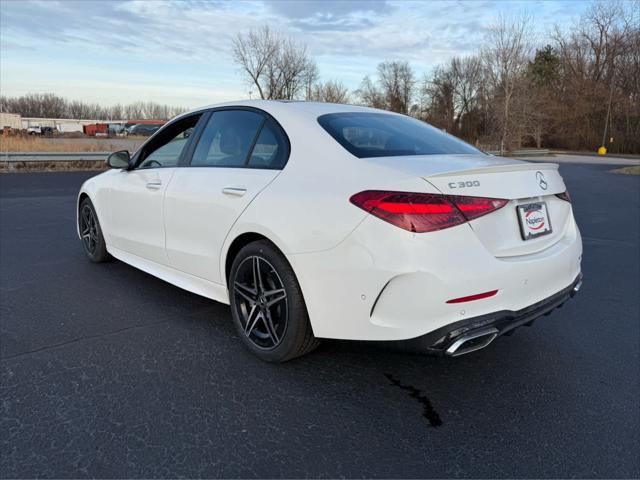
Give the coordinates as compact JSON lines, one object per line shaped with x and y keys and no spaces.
{"x":516,"y":167}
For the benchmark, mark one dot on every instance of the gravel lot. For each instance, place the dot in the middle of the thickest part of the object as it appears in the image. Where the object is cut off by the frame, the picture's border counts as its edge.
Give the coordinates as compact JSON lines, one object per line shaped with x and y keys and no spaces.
{"x":108,"y":372}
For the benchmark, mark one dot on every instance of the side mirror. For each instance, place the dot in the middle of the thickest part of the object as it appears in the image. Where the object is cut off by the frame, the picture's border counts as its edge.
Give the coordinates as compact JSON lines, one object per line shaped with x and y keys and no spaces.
{"x":119,"y":159}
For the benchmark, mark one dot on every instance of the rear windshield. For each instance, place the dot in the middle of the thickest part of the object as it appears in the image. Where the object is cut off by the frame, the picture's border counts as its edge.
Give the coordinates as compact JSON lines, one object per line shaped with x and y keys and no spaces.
{"x":385,"y":135}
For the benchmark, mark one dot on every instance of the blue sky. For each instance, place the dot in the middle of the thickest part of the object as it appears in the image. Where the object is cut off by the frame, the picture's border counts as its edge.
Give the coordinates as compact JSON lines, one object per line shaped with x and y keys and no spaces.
{"x":178,"y":52}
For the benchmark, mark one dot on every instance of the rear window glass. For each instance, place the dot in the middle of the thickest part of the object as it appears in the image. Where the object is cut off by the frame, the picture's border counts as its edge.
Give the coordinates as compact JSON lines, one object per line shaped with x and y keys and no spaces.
{"x":385,"y":135}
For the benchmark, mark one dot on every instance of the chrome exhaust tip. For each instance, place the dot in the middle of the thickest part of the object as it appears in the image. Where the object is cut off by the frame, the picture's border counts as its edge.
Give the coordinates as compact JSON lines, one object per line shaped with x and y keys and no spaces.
{"x":577,"y":286}
{"x":471,"y":342}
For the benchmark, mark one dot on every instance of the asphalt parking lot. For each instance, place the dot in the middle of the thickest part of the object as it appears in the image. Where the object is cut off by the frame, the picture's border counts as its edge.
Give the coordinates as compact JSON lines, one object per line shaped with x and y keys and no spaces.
{"x":109,"y":372}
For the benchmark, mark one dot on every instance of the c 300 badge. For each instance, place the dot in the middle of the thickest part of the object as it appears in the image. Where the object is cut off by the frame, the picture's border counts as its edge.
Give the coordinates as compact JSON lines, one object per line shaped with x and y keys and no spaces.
{"x":467,"y":184}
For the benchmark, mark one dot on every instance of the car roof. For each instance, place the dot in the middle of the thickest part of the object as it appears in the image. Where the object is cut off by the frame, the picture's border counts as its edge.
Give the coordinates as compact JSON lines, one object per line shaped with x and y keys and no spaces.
{"x":284,"y":107}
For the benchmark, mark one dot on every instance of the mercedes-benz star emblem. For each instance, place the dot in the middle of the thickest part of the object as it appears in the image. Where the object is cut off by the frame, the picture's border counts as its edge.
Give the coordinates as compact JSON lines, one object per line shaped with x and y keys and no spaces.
{"x":541,"y":180}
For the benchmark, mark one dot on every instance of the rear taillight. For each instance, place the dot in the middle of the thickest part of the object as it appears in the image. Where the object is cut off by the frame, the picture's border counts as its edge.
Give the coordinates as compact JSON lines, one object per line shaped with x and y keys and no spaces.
{"x":424,"y":212}
{"x":474,"y":207}
{"x":564,"y":196}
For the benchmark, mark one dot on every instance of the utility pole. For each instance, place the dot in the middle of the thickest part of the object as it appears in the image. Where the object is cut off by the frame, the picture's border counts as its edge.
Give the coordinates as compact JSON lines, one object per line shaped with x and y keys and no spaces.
{"x":603,"y":149}
{"x":606,"y":122}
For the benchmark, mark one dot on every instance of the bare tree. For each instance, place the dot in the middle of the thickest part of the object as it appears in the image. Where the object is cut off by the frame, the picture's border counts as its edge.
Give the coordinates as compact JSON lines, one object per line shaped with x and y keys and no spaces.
{"x":467,"y":79}
{"x":332,"y":91}
{"x":253,"y":52}
{"x":506,"y":58}
{"x":452,"y":92}
{"x":438,"y":103}
{"x":311,"y":78}
{"x":393,"y":90}
{"x":397,"y":82}
{"x":277,"y":66}
{"x":369,"y":94}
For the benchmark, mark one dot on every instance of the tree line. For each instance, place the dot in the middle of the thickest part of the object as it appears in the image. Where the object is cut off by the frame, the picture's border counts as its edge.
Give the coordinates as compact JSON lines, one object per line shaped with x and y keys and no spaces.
{"x":578,"y":89}
{"x":49,"y":105}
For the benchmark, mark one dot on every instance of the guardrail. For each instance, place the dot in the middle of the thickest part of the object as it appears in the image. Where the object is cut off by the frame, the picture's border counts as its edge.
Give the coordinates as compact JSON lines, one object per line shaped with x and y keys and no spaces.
{"x":522,"y":153}
{"x":14,"y":157}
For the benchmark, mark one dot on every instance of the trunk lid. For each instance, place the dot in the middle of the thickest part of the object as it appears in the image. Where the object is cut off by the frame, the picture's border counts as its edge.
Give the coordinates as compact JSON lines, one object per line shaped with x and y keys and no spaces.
{"x":510,"y":181}
{"x":523,"y":184}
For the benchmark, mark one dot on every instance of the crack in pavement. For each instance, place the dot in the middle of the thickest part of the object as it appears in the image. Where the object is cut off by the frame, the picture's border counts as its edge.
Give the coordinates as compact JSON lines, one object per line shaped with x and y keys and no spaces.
{"x":80,"y":339}
{"x":429,"y":412}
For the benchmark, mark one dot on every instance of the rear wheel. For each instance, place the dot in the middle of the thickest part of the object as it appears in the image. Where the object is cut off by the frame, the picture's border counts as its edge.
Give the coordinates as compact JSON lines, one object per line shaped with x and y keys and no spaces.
{"x":267,"y":305}
{"x":91,"y":233}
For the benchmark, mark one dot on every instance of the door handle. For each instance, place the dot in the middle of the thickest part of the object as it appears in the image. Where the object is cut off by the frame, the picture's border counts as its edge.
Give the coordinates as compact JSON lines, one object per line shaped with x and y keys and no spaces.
{"x":154,"y":185}
{"x":237,"y":191}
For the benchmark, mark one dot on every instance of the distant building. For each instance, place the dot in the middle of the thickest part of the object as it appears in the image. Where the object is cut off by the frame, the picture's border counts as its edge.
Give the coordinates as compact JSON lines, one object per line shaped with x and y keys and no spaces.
{"x":11,"y":120}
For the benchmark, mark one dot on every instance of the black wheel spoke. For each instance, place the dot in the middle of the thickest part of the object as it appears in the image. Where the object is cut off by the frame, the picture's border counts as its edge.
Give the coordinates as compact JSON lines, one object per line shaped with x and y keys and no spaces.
{"x":271,"y":329}
{"x":257,"y":278}
{"x":275,"y":296}
{"x":252,"y":320}
{"x":246,"y":292}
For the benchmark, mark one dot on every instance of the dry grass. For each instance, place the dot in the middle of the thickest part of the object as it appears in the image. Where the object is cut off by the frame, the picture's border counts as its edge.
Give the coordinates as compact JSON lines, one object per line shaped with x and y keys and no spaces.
{"x":26,"y":167}
{"x":40,"y":144}
{"x":634,"y":170}
{"x":62,"y":144}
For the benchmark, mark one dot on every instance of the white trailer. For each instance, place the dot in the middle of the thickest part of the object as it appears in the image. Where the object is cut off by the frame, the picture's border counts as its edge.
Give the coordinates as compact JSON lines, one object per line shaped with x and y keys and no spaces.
{"x":69,"y":127}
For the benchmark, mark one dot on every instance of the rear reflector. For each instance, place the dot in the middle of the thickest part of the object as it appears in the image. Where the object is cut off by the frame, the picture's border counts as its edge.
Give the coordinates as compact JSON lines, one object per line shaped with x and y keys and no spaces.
{"x":471,"y":298}
{"x":424,"y":212}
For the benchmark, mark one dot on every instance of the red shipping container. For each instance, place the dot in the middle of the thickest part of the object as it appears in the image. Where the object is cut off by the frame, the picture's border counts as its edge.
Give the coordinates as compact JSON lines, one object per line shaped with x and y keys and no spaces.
{"x":102,"y":129}
{"x":89,"y":129}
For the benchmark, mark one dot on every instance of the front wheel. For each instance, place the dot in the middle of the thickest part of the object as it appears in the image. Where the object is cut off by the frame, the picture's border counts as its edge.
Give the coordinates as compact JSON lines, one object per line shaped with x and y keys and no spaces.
{"x":91,"y":233}
{"x":267,"y":305}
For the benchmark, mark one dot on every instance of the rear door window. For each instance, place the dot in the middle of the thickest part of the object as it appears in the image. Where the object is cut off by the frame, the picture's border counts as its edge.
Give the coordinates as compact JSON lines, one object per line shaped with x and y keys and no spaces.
{"x":227,"y":139}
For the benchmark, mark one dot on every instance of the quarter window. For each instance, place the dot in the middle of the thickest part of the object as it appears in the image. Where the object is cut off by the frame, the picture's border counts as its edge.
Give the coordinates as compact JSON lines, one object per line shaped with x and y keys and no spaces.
{"x":270,"y":149}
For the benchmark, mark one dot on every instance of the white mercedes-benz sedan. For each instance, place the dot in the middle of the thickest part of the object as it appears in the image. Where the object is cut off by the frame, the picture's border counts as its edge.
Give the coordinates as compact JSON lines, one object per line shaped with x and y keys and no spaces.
{"x":317,"y":220}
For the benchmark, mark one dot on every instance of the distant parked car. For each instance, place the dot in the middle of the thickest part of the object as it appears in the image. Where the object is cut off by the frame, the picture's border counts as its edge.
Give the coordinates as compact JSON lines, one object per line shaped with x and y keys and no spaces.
{"x":48,"y":131}
{"x":143,"y":130}
{"x":34,"y":130}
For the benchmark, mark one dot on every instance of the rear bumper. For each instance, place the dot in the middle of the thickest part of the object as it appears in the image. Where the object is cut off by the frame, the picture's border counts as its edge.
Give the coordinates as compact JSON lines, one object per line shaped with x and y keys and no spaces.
{"x":384,"y":284}
{"x":447,"y":340}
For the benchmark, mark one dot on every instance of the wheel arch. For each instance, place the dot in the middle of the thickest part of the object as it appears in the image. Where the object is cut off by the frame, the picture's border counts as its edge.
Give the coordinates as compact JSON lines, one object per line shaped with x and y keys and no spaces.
{"x":237,"y":244}
{"x":81,"y":196}
{"x":251,"y":236}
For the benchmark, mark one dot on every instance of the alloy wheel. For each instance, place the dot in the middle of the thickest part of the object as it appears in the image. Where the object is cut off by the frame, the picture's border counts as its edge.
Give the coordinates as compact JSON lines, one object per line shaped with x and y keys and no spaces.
{"x":89,"y":229}
{"x":261,"y":302}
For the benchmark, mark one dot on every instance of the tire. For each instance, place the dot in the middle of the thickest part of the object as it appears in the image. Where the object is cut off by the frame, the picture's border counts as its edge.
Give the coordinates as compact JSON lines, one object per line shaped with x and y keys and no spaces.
{"x":92,"y":239}
{"x":268,"y":309}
